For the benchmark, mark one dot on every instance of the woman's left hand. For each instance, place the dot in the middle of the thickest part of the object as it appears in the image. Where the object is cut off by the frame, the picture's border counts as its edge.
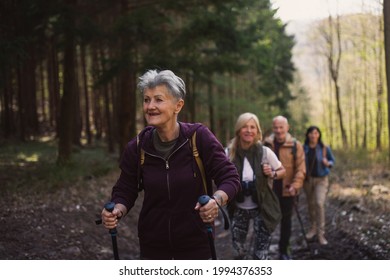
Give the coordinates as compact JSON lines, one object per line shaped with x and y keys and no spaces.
{"x":325,"y":162}
{"x":208,"y":212}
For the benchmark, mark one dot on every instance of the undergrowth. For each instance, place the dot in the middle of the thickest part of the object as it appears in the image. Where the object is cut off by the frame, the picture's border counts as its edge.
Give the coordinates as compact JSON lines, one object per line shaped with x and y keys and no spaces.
{"x":31,"y":166}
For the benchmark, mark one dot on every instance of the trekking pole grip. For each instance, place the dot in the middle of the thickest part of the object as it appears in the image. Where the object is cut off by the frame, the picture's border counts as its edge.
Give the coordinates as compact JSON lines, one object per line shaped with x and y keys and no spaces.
{"x":109,"y":206}
{"x":203,"y":199}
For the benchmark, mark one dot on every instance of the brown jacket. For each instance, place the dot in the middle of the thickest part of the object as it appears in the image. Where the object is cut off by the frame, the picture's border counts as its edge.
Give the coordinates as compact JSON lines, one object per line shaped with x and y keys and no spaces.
{"x":295,"y":171}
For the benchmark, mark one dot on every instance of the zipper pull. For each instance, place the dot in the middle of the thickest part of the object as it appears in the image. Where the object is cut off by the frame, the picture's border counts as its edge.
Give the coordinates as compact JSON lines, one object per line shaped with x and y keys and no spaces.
{"x":166,"y":165}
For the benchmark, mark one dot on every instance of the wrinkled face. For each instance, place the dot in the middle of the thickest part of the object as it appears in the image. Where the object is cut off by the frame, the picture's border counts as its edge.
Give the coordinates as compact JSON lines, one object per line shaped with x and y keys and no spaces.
{"x":248,"y":133}
{"x":280,"y":129}
{"x":160,"y":107}
{"x":313,"y":136}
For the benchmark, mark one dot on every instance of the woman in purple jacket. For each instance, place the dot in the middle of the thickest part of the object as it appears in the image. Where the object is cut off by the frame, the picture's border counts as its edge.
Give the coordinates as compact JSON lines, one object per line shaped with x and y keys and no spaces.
{"x":171,"y":222}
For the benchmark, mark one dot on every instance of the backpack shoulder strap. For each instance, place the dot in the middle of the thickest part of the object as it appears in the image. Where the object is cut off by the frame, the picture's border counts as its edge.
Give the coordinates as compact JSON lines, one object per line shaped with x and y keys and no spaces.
{"x":324,"y":151}
{"x":294,"y":149}
{"x":199,"y":162}
{"x":141,"y":153}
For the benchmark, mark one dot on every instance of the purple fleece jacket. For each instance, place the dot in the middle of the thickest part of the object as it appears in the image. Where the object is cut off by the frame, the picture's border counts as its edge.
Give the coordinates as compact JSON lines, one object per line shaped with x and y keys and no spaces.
{"x":168,"y":221}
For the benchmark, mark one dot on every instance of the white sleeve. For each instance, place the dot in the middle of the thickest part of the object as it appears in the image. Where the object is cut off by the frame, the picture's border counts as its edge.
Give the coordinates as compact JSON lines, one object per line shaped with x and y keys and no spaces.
{"x":272,"y":159}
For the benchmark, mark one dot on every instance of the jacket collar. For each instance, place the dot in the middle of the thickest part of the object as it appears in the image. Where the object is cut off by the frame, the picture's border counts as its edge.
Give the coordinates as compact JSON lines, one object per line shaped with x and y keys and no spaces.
{"x":288,"y":143}
{"x":186,"y":132}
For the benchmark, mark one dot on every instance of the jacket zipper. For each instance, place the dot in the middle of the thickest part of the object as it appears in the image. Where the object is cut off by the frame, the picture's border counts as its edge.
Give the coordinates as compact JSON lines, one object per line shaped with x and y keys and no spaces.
{"x":168,"y":185}
{"x":167,"y":164}
{"x":167,"y":167}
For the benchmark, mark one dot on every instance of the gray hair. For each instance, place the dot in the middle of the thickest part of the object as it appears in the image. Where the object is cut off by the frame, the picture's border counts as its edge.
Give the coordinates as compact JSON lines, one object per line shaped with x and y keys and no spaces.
{"x":174,"y":84}
{"x":280,"y":118}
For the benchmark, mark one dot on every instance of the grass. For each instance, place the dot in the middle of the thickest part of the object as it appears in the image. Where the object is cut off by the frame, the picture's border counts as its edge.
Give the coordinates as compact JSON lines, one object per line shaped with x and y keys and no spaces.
{"x":361,"y":159}
{"x":359,"y":171}
{"x":31,"y":166}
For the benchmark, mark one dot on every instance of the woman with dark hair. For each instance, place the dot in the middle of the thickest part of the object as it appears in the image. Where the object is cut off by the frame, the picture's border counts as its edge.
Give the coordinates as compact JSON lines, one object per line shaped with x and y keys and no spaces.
{"x":319,"y":160}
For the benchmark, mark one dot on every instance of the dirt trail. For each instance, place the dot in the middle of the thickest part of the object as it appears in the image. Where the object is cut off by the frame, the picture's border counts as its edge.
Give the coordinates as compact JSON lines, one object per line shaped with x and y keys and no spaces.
{"x":60,"y":225}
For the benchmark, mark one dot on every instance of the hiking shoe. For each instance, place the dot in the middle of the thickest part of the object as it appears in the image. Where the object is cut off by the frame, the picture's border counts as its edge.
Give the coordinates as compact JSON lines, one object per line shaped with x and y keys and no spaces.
{"x":322,"y":240}
{"x":311,"y":233}
{"x":285,"y":257}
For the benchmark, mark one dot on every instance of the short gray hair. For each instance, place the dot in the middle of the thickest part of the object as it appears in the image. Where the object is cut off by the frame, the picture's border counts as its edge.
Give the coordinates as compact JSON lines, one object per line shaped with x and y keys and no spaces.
{"x":153,"y":78}
{"x":280,"y":118}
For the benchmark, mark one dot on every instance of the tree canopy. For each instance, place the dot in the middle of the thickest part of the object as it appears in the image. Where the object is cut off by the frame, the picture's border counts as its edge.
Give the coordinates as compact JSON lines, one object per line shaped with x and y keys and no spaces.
{"x":70,"y":67}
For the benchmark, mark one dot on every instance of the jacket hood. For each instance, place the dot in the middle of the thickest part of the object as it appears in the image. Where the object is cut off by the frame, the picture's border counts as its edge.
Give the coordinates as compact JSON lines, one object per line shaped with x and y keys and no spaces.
{"x":188,"y":129}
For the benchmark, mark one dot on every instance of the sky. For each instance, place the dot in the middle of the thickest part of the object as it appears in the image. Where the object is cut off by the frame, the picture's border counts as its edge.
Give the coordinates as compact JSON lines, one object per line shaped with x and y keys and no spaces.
{"x":315,"y":9}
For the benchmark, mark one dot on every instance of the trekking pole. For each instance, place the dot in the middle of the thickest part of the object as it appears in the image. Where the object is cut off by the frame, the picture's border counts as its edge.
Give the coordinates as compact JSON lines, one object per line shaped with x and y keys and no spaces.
{"x":302,"y":227}
{"x":203,"y":200}
{"x":109,"y":206}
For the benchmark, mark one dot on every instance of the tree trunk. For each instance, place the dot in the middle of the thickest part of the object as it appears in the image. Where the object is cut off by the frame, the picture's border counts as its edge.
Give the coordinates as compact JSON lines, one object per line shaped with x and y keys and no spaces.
{"x":190,"y":99}
{"x":126,"y":106}
{"x":68,"y":98}
{"x":53,"y":85}
{"x":211,"y":104}
{"x":193,"y":100}
{"x":107,"y":102}
{"x":42,"y":87}
{"x":386,"y":15}
{"x":127,"y":91}
{"x":355,"y":105}
{"x":6,"y":95}
{"x":21,"y":102}
{"x":379,"y":75}
{"x":365,"y":110}
{"x":77,"y":118}
{"x":334,"y":68}
{"x":96,"y":94}
{"x":330,"y":108}
{"x":86,"y":95}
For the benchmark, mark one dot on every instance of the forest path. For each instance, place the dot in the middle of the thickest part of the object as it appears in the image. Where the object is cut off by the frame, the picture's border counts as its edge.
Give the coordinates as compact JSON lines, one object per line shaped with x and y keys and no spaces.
{"x":60,"y":225}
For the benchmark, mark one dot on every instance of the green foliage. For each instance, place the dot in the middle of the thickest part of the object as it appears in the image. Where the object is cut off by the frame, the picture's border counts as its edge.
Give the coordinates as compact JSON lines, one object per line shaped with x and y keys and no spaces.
{"x":237,"y":47}
{"x":360,"y":80}
{"x":31,"y":167}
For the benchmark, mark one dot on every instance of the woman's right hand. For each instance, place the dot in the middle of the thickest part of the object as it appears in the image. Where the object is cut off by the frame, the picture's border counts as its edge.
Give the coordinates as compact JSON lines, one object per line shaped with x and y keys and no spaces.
{"x":267,"y":170}
{"x":110,"y":219}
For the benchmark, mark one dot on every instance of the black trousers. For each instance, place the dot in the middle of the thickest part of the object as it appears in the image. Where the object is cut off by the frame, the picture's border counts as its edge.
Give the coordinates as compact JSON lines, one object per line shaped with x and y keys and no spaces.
{"x":286,"y":206}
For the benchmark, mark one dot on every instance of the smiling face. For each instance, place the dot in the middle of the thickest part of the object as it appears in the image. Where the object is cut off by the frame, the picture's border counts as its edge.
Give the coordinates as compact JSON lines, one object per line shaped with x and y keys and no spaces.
{"x":280,"y":128}
{"x":160,"y":107}
{"x":248,"y":133}
{"x":314,"y":136}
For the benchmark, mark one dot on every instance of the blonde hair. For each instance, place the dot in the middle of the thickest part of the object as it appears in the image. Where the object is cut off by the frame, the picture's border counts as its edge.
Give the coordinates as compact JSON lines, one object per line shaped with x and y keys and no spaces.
{"x":240,"y":123}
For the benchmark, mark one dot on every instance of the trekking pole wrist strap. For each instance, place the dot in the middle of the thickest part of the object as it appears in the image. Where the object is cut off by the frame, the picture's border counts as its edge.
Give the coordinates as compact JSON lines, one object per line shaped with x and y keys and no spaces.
{"x":218,"y":198}
{"x":225,"y":216}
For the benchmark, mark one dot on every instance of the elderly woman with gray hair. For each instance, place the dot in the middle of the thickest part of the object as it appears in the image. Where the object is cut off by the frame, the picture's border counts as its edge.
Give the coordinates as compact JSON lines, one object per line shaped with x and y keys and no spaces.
{"x":161,"y":162}
{"x":257,"y":166}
